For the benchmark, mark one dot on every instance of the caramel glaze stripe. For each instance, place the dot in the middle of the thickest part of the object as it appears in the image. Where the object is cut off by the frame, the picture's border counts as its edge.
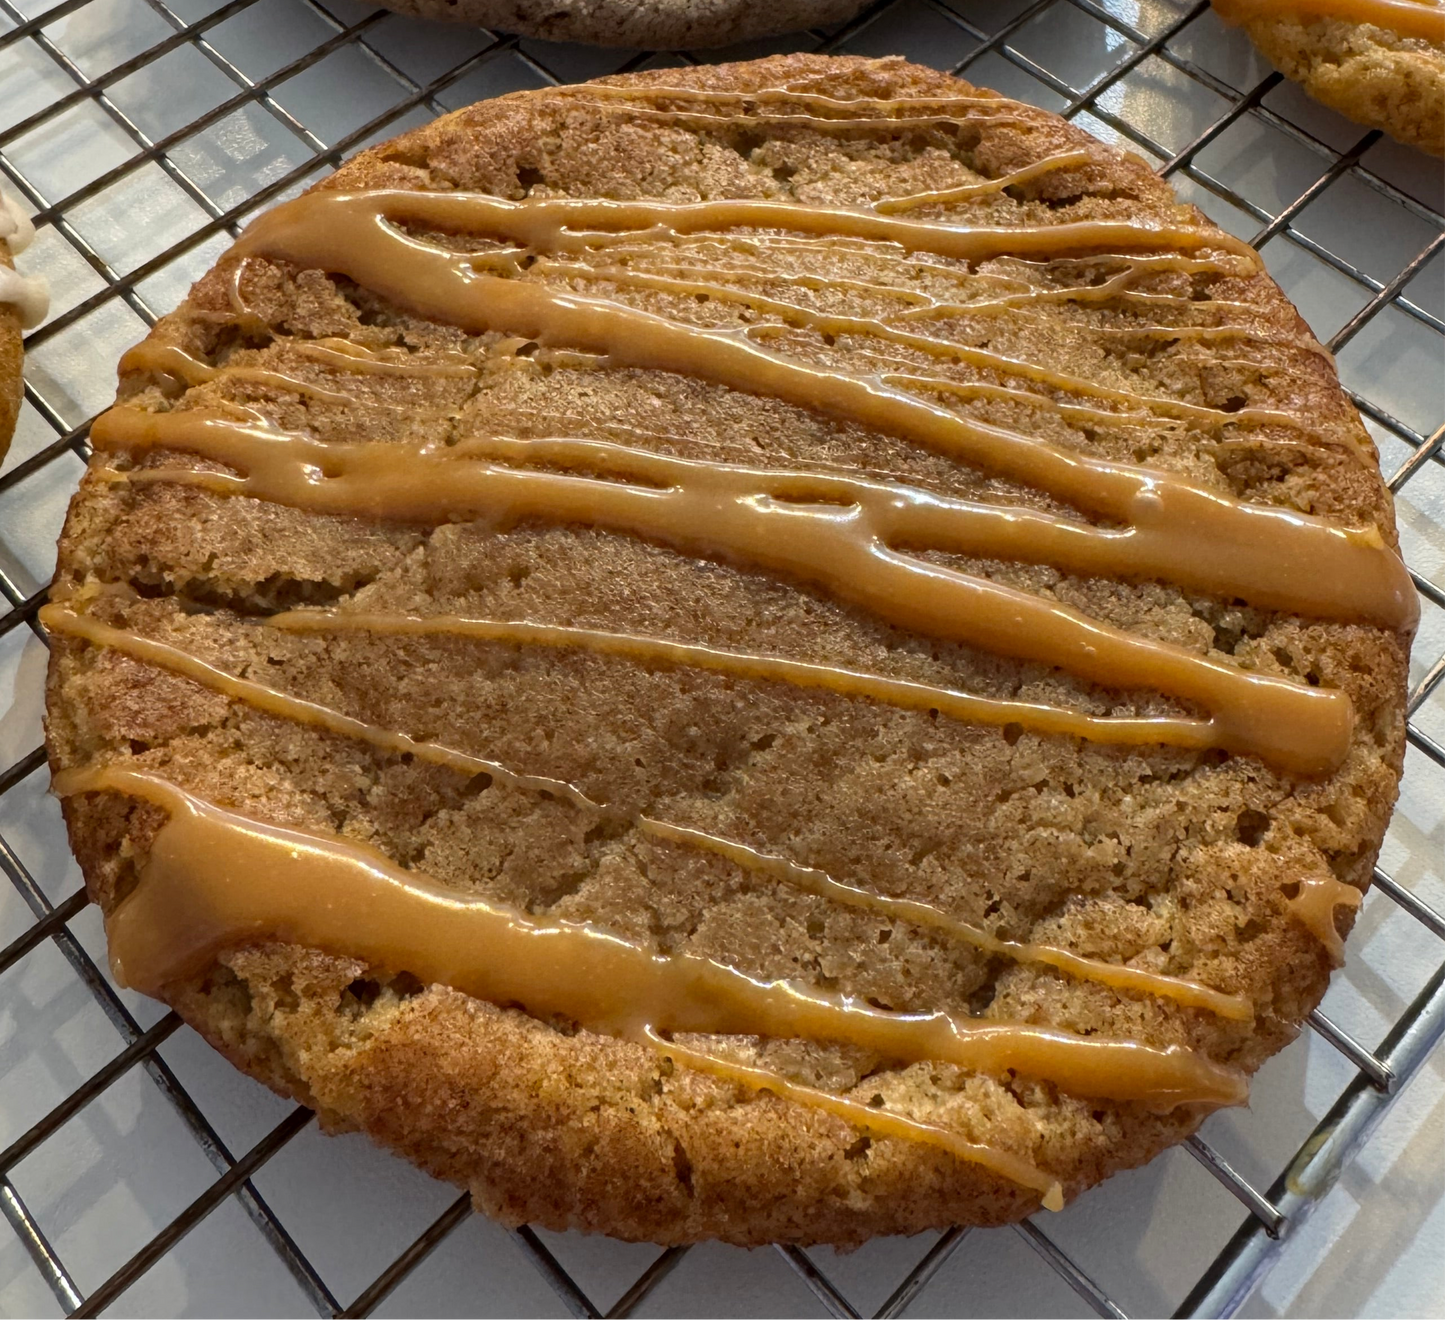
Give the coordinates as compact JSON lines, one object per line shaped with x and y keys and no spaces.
{"x":920,"y":305}
{"x":215,"y":879}
{"x":61,"y":619}
{"x":705,"y":120}
{"x":772,"y":95}
{"x":721,"y":512}
{"x":158,"y":359}
{"x":65,"y":621}
{"x":736,"y":244}
{"x":153,"y":357}
{"x":558,"y":223}
{"x":473,"y":946}
{"x":823,"y":124}
{"x":891,"y":514}
{"x":1314,"y":908}
{"x":508,"y":259}
{"x":1062,"y":160}
{"x":904,"y":694}
{"x":351,"y":234}
{"x":346,"y":356}
{"x":875,"y":1122}
{"x":706,"y":280}
{"x":1072,"y":412}
{"x":826,"y":323}
{"x":1410,"y":18}
{"x":430,"y":482}
{"x":1191,"y":994}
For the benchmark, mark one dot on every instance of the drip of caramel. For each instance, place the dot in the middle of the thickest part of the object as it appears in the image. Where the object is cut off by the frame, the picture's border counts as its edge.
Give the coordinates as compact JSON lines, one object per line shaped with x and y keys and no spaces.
{"x":776,"y":520}
{"x":63,"y":620}
{"x":300,"y":230}
{"x":772,"y":95}
{"x":1410,"y":18}
{"x":156,"y":358}
{"x":876,"y":1122}
{"x":816,"y":123}
{"x":1314,"y":908}
{"x":215,"y":879}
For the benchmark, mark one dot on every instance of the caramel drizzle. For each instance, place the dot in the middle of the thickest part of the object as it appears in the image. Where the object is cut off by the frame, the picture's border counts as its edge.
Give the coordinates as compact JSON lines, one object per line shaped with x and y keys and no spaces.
{"x":62,"y":620}
{"x":904,"y":694}
{"x":1189,"y":993}
{"x":793,"y":95}
{"x":873,"y":1121}
{"x":1410,"y":18}
{"x":153,"y":356}
{"x":835,"y":325}
{"x":1314,"y":908}
{"x":159,"y":359}
{"x":215,"y":879}
{"x":1062,"y":160}
{"x":816,"y":123}
{"x":200,"y":889}
{"x":891,"y":115}
{"x":827,"y":529}
{"x":353,"y":234}
{"x":1115,"y":289}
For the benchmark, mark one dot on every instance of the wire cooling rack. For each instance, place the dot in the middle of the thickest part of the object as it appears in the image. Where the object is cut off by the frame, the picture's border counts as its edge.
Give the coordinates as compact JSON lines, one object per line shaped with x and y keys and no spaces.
{"x":141,"y":1175}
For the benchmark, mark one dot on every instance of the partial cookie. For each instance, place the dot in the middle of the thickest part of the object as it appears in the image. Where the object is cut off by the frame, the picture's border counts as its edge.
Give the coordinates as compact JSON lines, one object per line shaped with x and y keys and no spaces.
{"x":23,"y":304}
{"x":1380,"y":62}
{"x":783,"y":651}
{"x":643,"y":24}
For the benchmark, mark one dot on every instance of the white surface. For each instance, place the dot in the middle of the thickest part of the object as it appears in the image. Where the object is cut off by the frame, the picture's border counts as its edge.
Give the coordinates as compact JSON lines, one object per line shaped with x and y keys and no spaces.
{"x":124,"y":1166}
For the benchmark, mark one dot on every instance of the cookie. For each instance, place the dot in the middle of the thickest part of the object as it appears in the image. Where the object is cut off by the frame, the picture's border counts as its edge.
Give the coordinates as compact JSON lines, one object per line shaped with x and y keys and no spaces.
{"x":23,"y":304}
{"x":783,"y":651}
{"x":643,"y":24}
{"x":1380,"y":62}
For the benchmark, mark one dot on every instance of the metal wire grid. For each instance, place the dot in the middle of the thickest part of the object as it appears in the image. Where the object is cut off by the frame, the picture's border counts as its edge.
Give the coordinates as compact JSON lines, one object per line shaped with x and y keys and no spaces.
{"x":1152,"y":37}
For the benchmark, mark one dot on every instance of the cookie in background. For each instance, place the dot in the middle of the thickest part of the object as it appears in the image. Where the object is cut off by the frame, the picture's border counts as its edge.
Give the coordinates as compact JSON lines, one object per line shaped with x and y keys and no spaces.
{"x":639,"y":24}
{"x":24,"y":301}
{"x":1379,"y":62}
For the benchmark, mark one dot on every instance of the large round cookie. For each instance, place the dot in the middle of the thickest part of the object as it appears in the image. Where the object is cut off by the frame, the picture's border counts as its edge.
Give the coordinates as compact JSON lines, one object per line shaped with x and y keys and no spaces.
{"x":850,"y":686}
{"x":644,"y":24}
{"x":1380,"y":62}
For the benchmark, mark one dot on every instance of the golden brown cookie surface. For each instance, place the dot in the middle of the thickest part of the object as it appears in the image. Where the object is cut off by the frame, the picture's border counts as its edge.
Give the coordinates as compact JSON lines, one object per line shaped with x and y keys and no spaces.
{"x":773,"y":572}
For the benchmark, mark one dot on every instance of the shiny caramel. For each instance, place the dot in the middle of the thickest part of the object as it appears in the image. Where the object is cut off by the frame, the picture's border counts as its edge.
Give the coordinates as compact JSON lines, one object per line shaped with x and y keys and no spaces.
{"x":214,"y":879}
{"x":775,"y":520}
{"x":1314,"y":908}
